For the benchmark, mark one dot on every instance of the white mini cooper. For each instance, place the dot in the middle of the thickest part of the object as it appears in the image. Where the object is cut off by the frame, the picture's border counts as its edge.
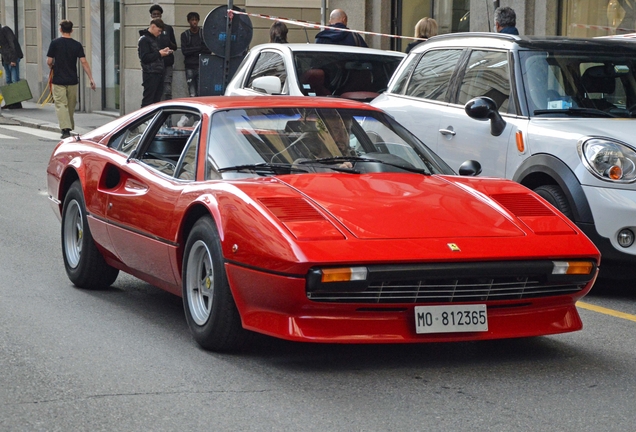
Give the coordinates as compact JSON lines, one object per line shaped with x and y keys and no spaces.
{"x":557,"y":115}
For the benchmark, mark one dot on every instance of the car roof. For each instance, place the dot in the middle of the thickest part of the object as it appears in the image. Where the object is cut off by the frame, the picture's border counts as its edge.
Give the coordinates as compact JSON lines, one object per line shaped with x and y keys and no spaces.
{"x":312,"y":47}
{"x":507,"y":41}
{"x":214,"y":103}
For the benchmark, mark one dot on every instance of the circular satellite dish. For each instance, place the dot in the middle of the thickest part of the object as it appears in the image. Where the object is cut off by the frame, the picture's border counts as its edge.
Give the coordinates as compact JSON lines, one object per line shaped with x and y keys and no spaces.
{"x":214,"y":30}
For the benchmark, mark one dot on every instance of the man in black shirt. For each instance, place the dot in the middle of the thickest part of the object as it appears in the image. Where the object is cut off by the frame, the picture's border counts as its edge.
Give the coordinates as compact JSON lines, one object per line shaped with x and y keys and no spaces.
{"x":62,"y":59}
{"x":191,"y":46}
{"x":151,"y":58}
{"x":165,"y":40}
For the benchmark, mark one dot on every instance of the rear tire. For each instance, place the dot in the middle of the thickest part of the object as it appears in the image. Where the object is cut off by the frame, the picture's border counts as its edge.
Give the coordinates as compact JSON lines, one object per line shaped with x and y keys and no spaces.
{"x":555,"y":196}
{"x":210,"y":311}
{"x":85,"y":265}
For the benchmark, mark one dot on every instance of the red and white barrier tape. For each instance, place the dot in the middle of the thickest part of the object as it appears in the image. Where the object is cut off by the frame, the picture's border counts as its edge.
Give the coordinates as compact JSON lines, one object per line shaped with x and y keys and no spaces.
{"x":315,"y":25}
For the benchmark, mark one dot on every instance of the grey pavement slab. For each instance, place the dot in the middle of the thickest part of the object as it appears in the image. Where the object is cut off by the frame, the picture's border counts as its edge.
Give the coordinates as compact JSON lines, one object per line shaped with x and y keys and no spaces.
{"x":43,"y":117}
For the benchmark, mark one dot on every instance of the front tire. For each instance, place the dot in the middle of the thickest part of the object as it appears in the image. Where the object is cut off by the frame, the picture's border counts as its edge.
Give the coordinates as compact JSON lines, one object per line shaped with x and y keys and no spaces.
{"x":555,"y":196}
{"x":85,"y":265}
{"x":210,"y":311}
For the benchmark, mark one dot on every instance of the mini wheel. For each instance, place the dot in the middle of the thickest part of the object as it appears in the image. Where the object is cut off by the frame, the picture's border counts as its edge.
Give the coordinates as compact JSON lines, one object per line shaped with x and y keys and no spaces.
{"x":555,"y":196}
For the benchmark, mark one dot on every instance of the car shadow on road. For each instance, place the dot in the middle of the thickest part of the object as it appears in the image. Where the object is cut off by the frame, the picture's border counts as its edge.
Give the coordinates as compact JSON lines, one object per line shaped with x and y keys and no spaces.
{"x":145,"y":302}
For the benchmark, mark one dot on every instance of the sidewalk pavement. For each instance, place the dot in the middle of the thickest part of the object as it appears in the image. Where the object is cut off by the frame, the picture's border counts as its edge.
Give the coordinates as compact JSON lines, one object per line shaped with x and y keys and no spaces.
{"x":43,"y":117}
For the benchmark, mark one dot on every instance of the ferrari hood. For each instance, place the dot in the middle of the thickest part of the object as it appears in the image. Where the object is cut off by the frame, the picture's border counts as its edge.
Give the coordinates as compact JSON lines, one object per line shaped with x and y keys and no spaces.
{"x":401,"y":206}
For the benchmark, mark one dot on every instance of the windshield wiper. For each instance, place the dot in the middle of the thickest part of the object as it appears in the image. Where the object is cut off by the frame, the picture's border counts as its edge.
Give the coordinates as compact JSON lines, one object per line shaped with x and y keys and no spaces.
{"x":340,"y":159}
{"x":264,"y":168}
{"x":576,"y":112}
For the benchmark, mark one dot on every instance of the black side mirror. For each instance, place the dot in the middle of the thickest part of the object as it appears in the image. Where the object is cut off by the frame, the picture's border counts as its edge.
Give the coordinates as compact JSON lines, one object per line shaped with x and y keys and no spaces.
{"x":470,"y":168}
{"x":483,"y":108}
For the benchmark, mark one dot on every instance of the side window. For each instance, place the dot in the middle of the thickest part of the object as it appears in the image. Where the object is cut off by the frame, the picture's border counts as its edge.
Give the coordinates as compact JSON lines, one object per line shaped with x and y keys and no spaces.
{"x":487,"y":75}
{"x":402,"y":79}
{"x":128,"y":139}
{"x":168,"y":141}
{"x":432,"y":74}
{"x":186,"y":168}
{"x":268,"y":64}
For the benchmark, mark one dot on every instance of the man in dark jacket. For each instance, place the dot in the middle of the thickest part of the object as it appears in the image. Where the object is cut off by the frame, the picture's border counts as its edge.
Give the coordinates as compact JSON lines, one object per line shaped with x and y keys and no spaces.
{"x":11,"y":55}
{"x":151,"y":58}
{"x":506,"y":20}
{"x":191,"y":46}
{"x":338,"y":19}
{"x":165,"y":39}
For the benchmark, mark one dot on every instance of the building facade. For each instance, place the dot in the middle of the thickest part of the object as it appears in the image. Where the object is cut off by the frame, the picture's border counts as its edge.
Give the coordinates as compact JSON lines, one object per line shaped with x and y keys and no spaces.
{"x":109,"y":30}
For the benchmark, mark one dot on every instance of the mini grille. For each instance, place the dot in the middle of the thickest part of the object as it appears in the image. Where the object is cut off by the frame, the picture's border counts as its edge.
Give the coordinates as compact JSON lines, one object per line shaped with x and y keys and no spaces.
{"x":449,"y":291}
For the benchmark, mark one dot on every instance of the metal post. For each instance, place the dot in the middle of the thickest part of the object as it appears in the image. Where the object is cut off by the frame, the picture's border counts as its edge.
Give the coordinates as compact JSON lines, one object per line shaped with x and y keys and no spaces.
{"x":228,"y":37}
{"x":323,"y":12}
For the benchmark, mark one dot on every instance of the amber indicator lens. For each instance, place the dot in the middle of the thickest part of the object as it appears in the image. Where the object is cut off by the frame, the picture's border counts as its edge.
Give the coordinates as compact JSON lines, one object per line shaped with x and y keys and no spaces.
{"x":572,"y":267}
{"x":345,"y":274}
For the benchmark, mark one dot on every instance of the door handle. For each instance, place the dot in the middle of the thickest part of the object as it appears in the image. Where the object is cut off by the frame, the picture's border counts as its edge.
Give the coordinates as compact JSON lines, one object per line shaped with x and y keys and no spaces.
{"x":447,"y":132}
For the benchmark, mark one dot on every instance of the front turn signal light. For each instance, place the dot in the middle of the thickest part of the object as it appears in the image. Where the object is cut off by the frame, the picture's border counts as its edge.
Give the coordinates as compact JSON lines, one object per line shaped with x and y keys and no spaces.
{"x":345,"y":274}
{"x":572,"y":267}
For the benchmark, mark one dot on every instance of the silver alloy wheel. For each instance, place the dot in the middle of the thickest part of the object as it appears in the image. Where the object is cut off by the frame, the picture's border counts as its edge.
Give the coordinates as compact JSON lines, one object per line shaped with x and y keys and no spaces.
{"x":200,"y":282}
{"x":73,"y":233}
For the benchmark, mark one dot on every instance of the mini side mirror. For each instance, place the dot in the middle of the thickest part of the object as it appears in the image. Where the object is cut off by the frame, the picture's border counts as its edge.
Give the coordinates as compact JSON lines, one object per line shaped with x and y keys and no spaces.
{"x":470,"y":168}
{"x":267,"y":84}
{"x":483,"y":108}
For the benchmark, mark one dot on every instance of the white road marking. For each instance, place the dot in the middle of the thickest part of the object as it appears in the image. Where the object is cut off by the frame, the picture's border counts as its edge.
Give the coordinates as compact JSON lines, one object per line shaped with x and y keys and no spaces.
{"x":41,"y":133}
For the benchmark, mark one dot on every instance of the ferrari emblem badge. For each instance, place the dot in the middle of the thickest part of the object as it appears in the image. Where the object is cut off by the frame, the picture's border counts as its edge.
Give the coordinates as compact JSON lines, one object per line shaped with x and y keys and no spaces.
{"x":453,"y":247}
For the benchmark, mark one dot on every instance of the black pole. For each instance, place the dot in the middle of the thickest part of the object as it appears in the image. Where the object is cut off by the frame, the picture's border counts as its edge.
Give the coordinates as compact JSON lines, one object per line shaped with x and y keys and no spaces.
{"x":228,"y":37}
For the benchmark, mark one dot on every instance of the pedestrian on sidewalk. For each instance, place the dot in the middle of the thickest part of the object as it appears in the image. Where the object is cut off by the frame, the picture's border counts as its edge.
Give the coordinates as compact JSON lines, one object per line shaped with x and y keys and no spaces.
{"x":338,"y":34}
{"x":151,"y":58}
{"x":62,"y":59}
{"x":192,"y":46}
{"x":165,"y":40}
{"x":11,"y":54}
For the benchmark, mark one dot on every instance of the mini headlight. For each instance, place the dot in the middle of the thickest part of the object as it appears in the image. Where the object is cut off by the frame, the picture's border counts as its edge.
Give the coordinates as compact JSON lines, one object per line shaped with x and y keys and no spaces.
{"x":609,"y":160}
{"x":625,"y":238}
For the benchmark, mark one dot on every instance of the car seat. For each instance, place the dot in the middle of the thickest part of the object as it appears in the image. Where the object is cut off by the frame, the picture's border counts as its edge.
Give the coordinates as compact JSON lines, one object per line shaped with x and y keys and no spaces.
{"x":594,"y":81}
{"x":313,"y":81}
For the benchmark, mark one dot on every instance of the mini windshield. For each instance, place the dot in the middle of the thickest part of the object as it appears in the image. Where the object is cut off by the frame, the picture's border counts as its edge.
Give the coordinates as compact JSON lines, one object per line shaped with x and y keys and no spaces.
{"x":574,"y":84}
{"x":269,"y":141}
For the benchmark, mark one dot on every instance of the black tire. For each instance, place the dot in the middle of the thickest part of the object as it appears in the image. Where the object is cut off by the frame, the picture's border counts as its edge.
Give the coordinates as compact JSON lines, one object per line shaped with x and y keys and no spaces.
{"x":555,"y":196}
{"x":210,"y":311}
{"x":85,"y":265}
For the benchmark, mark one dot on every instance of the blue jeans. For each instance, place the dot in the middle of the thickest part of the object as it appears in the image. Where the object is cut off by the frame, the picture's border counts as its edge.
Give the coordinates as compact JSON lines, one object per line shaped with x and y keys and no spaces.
{"x":12,"y":73}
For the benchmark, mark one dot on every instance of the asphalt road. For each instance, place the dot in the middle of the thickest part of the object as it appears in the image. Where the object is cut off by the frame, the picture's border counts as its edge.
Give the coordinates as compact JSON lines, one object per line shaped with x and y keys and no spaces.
{"x":122,"y":359}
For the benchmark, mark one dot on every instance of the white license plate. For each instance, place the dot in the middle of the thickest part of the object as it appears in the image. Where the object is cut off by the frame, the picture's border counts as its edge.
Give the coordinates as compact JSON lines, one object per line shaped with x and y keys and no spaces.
{"x":451,"y":319}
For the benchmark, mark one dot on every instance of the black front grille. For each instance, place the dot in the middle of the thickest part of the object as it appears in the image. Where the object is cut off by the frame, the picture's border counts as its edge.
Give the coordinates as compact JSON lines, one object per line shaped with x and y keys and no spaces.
{"x":448,"y":283}
{"x":448,"y":291}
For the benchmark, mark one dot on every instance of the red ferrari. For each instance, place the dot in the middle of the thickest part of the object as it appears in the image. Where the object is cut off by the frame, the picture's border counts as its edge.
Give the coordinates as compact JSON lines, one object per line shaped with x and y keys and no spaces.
{"x":312,"y":219}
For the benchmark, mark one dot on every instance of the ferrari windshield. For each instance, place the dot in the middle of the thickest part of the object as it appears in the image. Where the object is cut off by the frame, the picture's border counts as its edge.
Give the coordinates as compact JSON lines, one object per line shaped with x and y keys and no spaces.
{"x":579,"y":84}
{"x":269,"y":141}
